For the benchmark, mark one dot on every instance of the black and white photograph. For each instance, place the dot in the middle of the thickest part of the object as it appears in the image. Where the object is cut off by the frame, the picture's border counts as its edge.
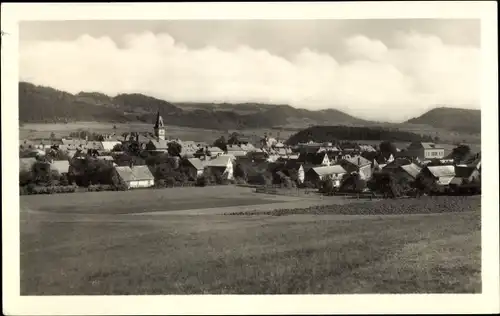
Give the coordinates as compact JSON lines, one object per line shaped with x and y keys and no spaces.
{"x":263,"y":156}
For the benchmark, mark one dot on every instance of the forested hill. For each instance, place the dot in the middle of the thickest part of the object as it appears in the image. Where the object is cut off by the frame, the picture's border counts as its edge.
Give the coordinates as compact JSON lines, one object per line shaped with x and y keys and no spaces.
{"x":45,"y":104}
{"x":460,"y":120}
{"x":332,"y":133}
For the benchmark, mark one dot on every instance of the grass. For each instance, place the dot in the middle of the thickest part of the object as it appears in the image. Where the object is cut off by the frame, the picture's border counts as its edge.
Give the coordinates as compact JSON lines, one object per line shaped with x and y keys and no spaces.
{"x":170,"y":254}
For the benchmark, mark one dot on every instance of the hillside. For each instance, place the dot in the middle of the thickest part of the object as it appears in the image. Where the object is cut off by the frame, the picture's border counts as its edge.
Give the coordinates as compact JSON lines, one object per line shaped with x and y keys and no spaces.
{"x":460,"y":120}
{"x":44,"y":104}
{"x":333,"y":133}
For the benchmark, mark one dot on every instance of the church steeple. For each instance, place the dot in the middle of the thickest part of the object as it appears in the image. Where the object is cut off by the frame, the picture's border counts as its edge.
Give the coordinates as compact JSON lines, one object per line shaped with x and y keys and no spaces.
{"x":159,"y":128}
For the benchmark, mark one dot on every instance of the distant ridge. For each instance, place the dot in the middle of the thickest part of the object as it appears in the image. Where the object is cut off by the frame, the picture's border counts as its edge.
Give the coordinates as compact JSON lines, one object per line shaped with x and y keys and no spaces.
{"x":39,"y":104}
{"x":460,"y":120}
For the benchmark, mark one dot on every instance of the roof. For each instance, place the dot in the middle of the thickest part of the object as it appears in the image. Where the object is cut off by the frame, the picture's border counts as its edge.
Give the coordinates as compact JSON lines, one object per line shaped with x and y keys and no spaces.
{"x":358,"y":161}
{"x":442,"y":171}
{"x":313,"y":158}
{"x":445,"y":180}
{"x":234,"y":148}
{"x":431,"y":146}
{"x":108,"y":158}
{"x":214,"y":149}
{"x":412,"y":169}
{"x":464,"y":171}
{"x":135,"y":173}
{"x":457,"y":180}
{"x":368,"y":148}
{"x":26,"y":163}
{"x":109,"y":144}
{"x":328,"y":170}
{"x":196,"y":162}
{"x":159,"y":143}
{"x":61,"y":166}
{"x":220,"y":161}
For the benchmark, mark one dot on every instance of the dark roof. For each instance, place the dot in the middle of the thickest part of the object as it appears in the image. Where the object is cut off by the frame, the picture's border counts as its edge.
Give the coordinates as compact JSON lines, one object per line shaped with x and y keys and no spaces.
{"x":312,"y":158}
{"x":463,"y":172}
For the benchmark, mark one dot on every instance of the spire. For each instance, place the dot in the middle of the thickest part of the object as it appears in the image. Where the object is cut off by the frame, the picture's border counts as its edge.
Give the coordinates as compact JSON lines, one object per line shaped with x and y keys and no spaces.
{"x":159,"y":120}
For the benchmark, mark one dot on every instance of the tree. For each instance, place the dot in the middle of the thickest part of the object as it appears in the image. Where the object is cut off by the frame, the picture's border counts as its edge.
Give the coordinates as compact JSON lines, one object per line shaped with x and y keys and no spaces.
{"x":387,"y":148}
{"x":460,"y":152}
{"x":174,"y":149}
{"x":52,"y":136}
{"x":114,"y":126}
{"x":221,"y":143}
{"x":233,"y":139}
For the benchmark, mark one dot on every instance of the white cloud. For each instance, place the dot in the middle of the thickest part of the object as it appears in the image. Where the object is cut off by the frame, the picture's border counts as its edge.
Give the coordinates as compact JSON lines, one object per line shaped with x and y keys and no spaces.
{"x":378,"y":82}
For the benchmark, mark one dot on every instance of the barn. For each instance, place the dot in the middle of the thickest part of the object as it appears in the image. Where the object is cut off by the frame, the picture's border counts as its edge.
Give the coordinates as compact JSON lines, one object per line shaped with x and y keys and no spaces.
{"x":136,"y":176}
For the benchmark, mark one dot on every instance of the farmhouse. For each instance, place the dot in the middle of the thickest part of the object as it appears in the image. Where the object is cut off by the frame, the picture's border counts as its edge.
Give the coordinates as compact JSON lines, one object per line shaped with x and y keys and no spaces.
{"x":214,"y":151}
{"x":359,"y":165}
{"x":335,"y":173}
{"x":286,"y":166}
{"x":135,"y":176}
{"x":236,"y":151}
{"x":314,"y":159}
{"x":465,"y":175}
{"x":442,"y":175}
{"x":159,"y":145}
{"x":424,"y":151}
{"x":194,"y":166}
{"x":223,"y":165}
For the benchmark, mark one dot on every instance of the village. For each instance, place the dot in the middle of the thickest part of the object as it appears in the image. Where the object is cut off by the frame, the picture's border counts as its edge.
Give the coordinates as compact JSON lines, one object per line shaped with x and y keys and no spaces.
{"x":150,"y":160}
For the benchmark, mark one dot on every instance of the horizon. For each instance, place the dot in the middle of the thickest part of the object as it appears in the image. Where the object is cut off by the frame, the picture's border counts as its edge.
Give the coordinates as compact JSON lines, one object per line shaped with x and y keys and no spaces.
{"x":177,"y":103}
{"x":365,"y":68}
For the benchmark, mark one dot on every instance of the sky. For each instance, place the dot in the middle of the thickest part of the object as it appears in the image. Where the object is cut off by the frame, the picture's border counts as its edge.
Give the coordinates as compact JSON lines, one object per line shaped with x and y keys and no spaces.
{"x":388,"y":70}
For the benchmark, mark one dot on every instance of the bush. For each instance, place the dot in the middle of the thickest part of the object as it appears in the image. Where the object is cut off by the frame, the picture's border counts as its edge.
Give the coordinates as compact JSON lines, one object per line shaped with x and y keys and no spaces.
{"x":201,"y":181}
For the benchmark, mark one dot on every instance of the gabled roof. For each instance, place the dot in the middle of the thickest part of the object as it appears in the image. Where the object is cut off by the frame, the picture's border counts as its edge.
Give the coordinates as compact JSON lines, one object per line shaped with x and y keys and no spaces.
{"x":431,"y":146}
{"x":368,"y":148}
{"x":464,"y":171}
{"x":136,"y":173}
{"x":412,"y":169}
{"x":159,"y":144}
{"x":196,"y":163}
{"x":214,"y":149}
{"x":442,"y":171}
{"x":109,"y":145}
{"x":358,"y":161}
{"x":61,"y":166}
{"x":219,"y":161}
{"x":328,"y":170}
{"x":26,"y":163}
{"x":312,"y":158}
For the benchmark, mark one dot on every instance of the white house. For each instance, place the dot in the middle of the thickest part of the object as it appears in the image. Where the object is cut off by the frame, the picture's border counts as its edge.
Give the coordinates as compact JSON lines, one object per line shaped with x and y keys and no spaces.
{"x":136,"y":176}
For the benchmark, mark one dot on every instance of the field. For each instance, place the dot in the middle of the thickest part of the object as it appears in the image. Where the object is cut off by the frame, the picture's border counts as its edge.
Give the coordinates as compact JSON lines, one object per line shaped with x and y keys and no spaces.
{"x":34,"y":131}
{"x":92,"y":244}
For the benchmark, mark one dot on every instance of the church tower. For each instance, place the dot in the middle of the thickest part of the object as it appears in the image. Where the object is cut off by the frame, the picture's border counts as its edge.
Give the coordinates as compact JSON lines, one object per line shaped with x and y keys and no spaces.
{"x":159,"y":129}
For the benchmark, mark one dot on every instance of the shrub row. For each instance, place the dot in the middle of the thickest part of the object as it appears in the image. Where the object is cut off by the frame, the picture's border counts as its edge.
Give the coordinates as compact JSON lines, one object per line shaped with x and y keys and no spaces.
{"x":29,"y":189}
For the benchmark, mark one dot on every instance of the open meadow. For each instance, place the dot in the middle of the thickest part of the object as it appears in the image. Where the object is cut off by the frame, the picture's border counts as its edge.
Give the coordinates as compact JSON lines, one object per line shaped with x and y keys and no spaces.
{"x":148,"y":242}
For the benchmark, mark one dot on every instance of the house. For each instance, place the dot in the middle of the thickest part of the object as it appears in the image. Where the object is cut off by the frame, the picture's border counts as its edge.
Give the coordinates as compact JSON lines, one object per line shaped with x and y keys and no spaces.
{"x":26,"y":164}
{"x":108,"y":145}
{"x":396,"y":164}
{"x":465,"y":174}
{"x":424,"y":151}
{"x":367,"y":148}
{"x":248,"y":147}
{"x":195,"y":167}
{"x":410,"y":171}
{"x":335,"y":173}
{"x":320,"y":159}
{"x":359,"y":165}
{"x":61,"y":166}
{"x":135,"y":176}
{"x":222,"y":164}
{"x":293,"y":164}
{"x":442,"y":175}
{"x":214,"y":151}
{"x":157,"y":145}
{"x":236,"y":151}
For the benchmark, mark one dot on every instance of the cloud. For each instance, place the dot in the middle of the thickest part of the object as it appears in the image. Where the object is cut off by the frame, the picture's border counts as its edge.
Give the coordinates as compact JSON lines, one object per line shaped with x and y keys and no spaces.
{"x":375,"y":82}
